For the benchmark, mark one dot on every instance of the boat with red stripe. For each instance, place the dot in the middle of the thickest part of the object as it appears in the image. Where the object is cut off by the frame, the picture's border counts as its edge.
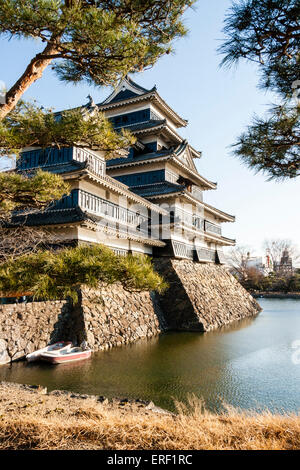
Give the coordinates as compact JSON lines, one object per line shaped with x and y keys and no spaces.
{"x":78,"y":353}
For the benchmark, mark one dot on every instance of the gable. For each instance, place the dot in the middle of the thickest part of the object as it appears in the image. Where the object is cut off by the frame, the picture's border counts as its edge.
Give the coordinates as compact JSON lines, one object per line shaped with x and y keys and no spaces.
{"x":126,"y":89}
{"x":186,"y":158}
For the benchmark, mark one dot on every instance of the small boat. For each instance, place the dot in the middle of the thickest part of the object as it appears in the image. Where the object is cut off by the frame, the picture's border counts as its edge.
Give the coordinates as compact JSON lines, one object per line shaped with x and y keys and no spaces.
{"x":60,"y":346}
{"x":66,"y":355}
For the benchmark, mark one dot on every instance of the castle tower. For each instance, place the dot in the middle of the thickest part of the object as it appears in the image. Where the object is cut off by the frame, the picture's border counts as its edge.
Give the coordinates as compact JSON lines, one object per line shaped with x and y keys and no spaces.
{"x":161,"y":168}
{"x":146,"y":200}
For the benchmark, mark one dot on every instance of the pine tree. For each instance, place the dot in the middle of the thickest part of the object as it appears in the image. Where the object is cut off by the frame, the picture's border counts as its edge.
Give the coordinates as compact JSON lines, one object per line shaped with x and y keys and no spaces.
{"x":98,"y":42}
{"x":29,"y":125}
{"x":23,"y":193}
{"x":57,"y":275}
{"x":267,"y":32}
{"x":93,"y":40}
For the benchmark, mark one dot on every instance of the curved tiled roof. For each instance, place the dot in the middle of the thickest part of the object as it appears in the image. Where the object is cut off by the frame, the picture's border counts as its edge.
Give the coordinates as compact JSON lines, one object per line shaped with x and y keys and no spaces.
{"x":59,"y":168}
{"x":139,"y":158}
{"x":132,"y":93}
{"x":157,"y":189}
{"x":50,"y":217}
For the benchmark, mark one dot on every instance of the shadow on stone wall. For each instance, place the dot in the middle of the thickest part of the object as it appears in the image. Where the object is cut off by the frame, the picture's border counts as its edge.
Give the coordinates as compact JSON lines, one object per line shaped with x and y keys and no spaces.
{"x":202,"y":297}
{"x":70,"y":323}
{"x":178,"y":310}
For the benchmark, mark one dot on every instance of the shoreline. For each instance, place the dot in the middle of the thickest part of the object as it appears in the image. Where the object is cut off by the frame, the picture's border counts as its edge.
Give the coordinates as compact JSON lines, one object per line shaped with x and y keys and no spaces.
{"x":32,"y":418}
{"x":276,"y":295}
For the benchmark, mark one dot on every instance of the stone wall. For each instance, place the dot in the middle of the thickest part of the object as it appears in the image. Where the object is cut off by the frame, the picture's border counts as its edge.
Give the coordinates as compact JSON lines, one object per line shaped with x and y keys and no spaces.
{"x":113,"y":316}
{"x":202,"y":297}
{"x":27,"y":327}
{"x":106,"y":318}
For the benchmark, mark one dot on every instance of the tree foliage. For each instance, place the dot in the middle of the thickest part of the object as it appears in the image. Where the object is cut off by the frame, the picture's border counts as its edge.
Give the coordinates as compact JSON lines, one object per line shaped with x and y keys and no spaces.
{"x":29,"y":125}
{"x":272,"y":144}
{"x":238,"y":258}
{"x":58,"y":274}
{"x":274,"y":282}
{"x":28,"y":193}
{"x":268,"y":32}
{"x":95,"y":41}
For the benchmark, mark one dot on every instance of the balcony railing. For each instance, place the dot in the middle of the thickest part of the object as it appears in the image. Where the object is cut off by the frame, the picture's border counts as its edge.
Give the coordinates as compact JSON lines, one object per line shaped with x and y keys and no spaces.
{"x":54,"y":156}
{"x":195,"y":221}
{"x":99,"y":206}
{"x":198,"y":222}
{"x":182,"y":250}
{"x":210,"y":227}
{"x":95,"y":163}
{"x":102,"y":208}
{"x":205,"y":254}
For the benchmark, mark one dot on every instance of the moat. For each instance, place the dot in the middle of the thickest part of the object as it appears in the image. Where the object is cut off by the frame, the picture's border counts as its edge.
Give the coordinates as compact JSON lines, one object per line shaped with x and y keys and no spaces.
{"x":248,"y":365}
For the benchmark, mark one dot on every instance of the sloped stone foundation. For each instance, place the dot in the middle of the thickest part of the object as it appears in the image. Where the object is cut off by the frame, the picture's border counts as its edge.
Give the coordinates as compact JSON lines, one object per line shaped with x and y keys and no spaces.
{"x":202,"y":297}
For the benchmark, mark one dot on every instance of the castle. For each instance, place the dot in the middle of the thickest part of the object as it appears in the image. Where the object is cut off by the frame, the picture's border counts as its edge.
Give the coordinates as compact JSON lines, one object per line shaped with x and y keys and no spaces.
{"x":149,"y":200}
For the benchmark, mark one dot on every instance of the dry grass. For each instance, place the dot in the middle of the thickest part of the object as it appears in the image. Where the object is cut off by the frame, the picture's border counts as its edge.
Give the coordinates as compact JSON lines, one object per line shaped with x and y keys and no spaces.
{"x":60,"y":422}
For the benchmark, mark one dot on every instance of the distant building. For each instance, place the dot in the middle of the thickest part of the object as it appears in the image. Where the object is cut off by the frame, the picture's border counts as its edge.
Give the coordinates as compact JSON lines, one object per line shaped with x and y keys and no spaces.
{"x":285,"y":266}
{"x":261,"y":263}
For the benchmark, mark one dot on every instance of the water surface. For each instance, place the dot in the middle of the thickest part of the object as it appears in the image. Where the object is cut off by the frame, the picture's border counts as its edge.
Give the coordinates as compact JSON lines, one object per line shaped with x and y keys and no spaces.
{"x":248,"y":365}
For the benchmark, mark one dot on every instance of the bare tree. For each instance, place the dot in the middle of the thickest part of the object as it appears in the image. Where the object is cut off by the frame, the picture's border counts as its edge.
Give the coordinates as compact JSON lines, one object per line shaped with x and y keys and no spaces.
{"x":276,"y":247}
{"x":22,"y":240}
{"x":238,"y":258}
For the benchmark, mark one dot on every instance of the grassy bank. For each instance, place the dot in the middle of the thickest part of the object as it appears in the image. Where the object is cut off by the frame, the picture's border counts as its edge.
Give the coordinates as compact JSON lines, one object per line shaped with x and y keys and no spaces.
{"x":32,"y":419}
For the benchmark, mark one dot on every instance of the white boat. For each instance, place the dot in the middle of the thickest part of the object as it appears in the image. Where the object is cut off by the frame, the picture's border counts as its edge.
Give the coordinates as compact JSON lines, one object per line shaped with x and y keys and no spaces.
{"x":60,"y":346}
{"x":66,"y":355}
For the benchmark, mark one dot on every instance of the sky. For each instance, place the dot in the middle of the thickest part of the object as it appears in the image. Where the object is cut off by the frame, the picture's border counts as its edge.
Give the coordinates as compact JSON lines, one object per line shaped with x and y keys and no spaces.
{"x":218,"y":104}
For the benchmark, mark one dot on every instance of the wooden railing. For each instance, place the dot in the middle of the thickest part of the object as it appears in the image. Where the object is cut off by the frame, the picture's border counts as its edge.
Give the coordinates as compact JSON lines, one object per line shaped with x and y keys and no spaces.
{"x":95,"y":163}
{"x":182,"y":250}
{"x":210,"y":227}
{"x":96,"y":205}
{"x":54,"y":156}
{"x":187,"y":218}
{"x":205,"y":254}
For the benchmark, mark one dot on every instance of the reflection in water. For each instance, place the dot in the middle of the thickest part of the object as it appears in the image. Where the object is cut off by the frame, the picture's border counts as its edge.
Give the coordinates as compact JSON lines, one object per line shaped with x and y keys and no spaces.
{"x":247,"y":365}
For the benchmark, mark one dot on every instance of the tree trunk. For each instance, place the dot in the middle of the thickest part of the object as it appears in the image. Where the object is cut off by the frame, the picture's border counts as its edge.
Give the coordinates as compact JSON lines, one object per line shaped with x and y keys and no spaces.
{"x":33,"y":71}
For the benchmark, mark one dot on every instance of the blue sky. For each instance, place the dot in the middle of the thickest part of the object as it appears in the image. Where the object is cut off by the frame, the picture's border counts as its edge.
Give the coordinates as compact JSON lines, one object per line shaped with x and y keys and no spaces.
{"x":218,"y":104}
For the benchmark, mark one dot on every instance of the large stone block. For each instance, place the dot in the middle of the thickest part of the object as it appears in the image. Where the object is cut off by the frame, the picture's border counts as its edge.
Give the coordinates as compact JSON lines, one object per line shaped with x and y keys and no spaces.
{"x":202,"y":297}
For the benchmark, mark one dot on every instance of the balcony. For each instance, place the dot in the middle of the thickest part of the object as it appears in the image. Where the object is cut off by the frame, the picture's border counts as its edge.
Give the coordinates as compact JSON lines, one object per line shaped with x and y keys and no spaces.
{"x":99,"y":207}
{"x":195,"y":221}
{"x":94,"y":163}
{"x":52,"y":157}
{"x":212,"y":228}
{"x":185,"y":250}
{"x":182,"y":250}
{"x":206,"y":255}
